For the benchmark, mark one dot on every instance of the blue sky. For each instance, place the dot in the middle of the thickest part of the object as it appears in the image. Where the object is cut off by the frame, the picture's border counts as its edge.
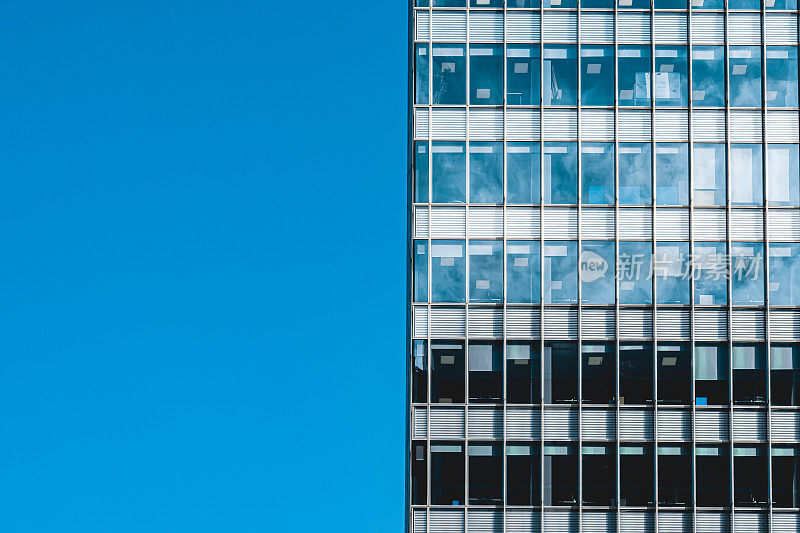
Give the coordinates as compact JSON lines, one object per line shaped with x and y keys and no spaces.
{"x":202,"y":217}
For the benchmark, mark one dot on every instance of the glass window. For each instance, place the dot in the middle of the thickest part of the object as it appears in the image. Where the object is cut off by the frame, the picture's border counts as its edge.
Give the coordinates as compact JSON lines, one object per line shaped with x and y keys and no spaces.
{"x":599,"y":367}
{"x":485,"y":372}
{"x":421,"y":171}
{"x":708,"y":4}
{"x":449,"y":181}
{"x":749,"y":475}
{"x":711,"y":273}
{"x":669,"y":4}
{"x":485,"y":473}
{"x":597,"y":173}
{"x":560,"y":272}
{"x":671,"y":85}
{"x":672,"y":174}
{"x":785,"y":374}
{"x":608,"y":4}
{"x":599,"y":473}
{"x":674,"y":373}
{"x":449,"y":3}
{"x":597,"y":74}
{"x":711,"y":374}
{"x":485,"y":271}
{"x":634,"y":4}
{"x":420,"y":271}
{"x":781,"y":76}
{"x":447,"y":372}
{"x":523,"y":165}
{"x":560,"y":169}
{"x":422,"y":3}
{"x":447,"y":473}
{"x":449,"y":74}
{"x":420,"y":374}
{"x":745,"y":76}
{"x":635,"y":174}
{"x":672,"y":272}
{"x":560,"y":372}
{"x":523,"y":471}
{"x":634,"y":271}
{"x":784,"y":274}
{"x":597,"y":272}
{"x":635,"y":373}
{"x":783,"y":175}
{"x":421,"y":70}
{"x":560,"y":83}
{"x":785,"y":476}
{"x":708,"y":166}
{"x":708,"y":72}
{"x":522,"y":3}
{"x":747,"y":272}
{"x":746,"y":175}
{"x":486,"y":3}
{"x":636,"y":474}
{"x":674,"y":474}
{"x":749,"y":374}
{"x":780,"y":4}
{"x":419,"y":473}
{"x":713,"y":475}
{"x":522,"y":74}
{"x":744,"y":4}
{"x":560,"y":473}
{"x":486,"y":74}
{"x":486,"y":172}
{"x":523,"y":367}
{"x":634,"y":75}
{"x":560,"y":3}
{"x":448,"y":271}
{"x":522,"y":272}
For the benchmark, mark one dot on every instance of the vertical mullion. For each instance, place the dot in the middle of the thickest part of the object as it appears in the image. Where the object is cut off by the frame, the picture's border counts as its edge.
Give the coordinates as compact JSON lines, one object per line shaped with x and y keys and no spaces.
{"x":466,"y":295}
{"x":541,"y":269}
{"x":580,"y":252}
{"x":618,"y":480}
{"x":505,"y":280}
{"x":430,"y":260}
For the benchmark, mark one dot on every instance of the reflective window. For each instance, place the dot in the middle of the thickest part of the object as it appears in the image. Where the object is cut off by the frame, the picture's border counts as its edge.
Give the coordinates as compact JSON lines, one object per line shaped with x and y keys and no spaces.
{"x":449,"y":3}
{"x":674,"y":373}
{"x":560,"y":473}
{"x":710,"y":273}
{"x":447,"y":372}
{"x":421,"y":171}
{"x":486,"y":3}
{"x":522,"y":272}
{"x":449,"y":74}
{"x":672,"y":174}
{"x":419,"y":473}
{"x":744,"y":4}
{"x":749,"y":475}
{"x":486,"y":74}
{"x":486,"y":172}
{"x":597,"y":272}
{"x":747,"y":272}
{"x":522,"y":3}
{"x":421,"y":70}
{"x":780,"y":4}
{"x":609,"y":4}
{"x":784,"y":274}
{"x":422,"y":3}
{"x":708,"y":174}
{"x":597,"y":74}
{"x":560,"y":372}
{"x":634,"y":271}
{"x":448,"y":271}
{"x":485,"y":473}
{"x":785,"y":374}
{"x":523,"y":471}
{"x":597,"y":173}
{"x":669,"y":4}
{"x":449,"y":182}
{"x":420,"y":271}
{"x":635,"y":373}
{"x":749,"y":364}
{"x":419,"y":393}
{"x":485,"y":372}
{"x":560,"y":3}
{"x":783,"y":174}
{"x":785,"y":476}
{"x":634,"y":4}
{"x":485,"y":271}
{"x":447,"y":473}
{"x":713,"y":475}
{"x":781,"y":76}
{"x":523,"y":165}
{"x":635,"y":174}
{"x":745,"y":76}
{"x":746,"y":175}
{"x":560,"y":84}
{"x":560,"y":168}
{"x":672,"y":272}
{"x":711,"y":374}
{"x":708,"y":72}
{"x":522,"y":74}
{"x":634,"y":75}
{"x":560,"y":272}
{"x":636,"y":474}
{"x":674,"y":474}
{"x":523,"y":367}
{"x":708,"y":4}
{"x":598,"y":375}
{"x":599,"y":473}
{"x":671,"y":87}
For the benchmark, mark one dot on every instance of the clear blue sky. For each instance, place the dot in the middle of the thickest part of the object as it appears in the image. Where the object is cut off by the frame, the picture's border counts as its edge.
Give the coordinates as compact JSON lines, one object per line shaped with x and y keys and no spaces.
{"x":202,"y":220}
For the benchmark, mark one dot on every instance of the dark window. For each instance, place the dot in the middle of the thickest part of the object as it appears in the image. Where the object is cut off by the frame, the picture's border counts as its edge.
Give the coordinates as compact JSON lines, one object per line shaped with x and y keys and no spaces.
{"x":786,"y":476}
{"x":560,"y":473}
{"x":750,"y":475}
{"x":711,"y":374}
{"x":447,"y":473}
{"x":635,"y":373}
{"x":785,"y":370}
{"x":419,"y":381}
{"x":419,"y":473}
{"x":523,"y":471}
{"x":674,"y":373}
{"x":485,"y":473}
{"x":636,"y":474}
{"x":599,"y":366}
{"x":713,"y":476}
{"x":674,"y":474}
{"x":447,"y":372}
{"x":523,"y":367}
{"x":485,"y":371}
{"x":599,"y":474}
{"x":560,"y":372}
{"x":749,"y":373}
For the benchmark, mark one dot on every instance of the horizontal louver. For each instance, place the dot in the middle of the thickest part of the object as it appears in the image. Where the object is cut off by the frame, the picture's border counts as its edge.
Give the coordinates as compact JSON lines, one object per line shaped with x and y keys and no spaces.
{"x":485,"y":222}
{"x":420,"y":521}
{"x":560,"y":223}
{"x":523,"y":323}
{"x":446,"y":521}
{"x":708,"y":28}
{"x":750,"y":521}
{"x":747,"y":224}
{"x":633,"y":27}
{"x":420,"y":422}
{"x":560,"y":26}
{"x":597,"y":223}
{"x":484,"y":423}
{"x":523,"y":423}
{"x":447,"y":422}
{"x":485,"y":323}
{"x":560,"y":323}
{"x":785,"y":426}
{"x":597,"y":27}
{"x":485,"y":26}
{"x":709,"y":224}
{"x":522,"y":124}
{"x":449,"y":26}
{"x":597,"y":323}
{"x":597,"y":125}
{"x":747,"y":324}
{"x":674,"y":521}
{"x":448,"y":222}
{"x":421,"y":123}
{"x":598,"y":424}
{"x":745,"y":126}
{"x":710,"y":324}
{"x":522,"y":222}
{"x":782,"y":127}
{"x":560,"y":423}
{"x":711,"y":425}
{"x":713,"y":522}
{"x":421,"y":222}
{"x":637,"y":522}
{"x":744,"y":28}
{"x":634,"y":125}
{"x":420,"y":321}
{"x":672,"y":125}
{"x":780,"y":28}
{"x":560,"y":125}
{"x":749,"y":425}
{"x":423,"y":26}
{"x":560,"y":521}
{"x":673,"y":324}
{"x":674,"y":424}
{"x":672,"y":224}
{"x":708,"y":125}
{"x":484,"y":521}
{"x":635,"y":424}
{"x":598,"y":522}
{"x":784,"y":324}
{"x":785,"y":522}
{"x":523,"y":520}
{"x":635,"y":223}
{"x":447,"y":123}
{"x":635,"y":324}
{"x":670,"y":27}
{"x":522,"y":26}
{"x":448,"y":322}
{"x":783,"y":224}
{"x":486,"y":124}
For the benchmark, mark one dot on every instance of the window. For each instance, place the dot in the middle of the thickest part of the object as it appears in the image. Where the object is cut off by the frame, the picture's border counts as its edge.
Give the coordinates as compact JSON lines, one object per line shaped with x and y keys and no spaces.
{"x":419,"y":473}
{"x":635,"y":373}
{"x":713,"y":475}
{"x":522,"y":272}
{"x":781,"y":76}
{"x":609,"y":4}
{"x":744,"y":65}
{"x":486,"y":74}
{"x":447,"y":473}
{"x":636,"y":474}
{"x":485,"y":372}
{"x":420,"y":271}
{"x":708,"y":73}
{"x":447,"y":372}
{"x":749,"y":374}
{"x":782,"y":174}
{"x":670,"y":87}
{"x":669,"y":4}
{"x":560,"y":272}
{"x":744,"y":4}
{"x":672,"y":174}
{"x":449,"y":74}
{"x":421,"y":87}
{"x":599,"y":473}
{"x":597,"y":272}
{"x":746,"y":174}
{"x":785,"y":476}
{"x":449,"y":3}
{"x":522,"y":3}
{"x":634,"y":74}
{"x":634,"y":4}
{"x":711,"y":273}
{"x":560,"y":169}
{"x":597,"y":173}
{"x":599,"y":367}
{"x":674,"y":474}
{"x":421,"y":171}
{"x":708,"y":166}
{"x":485,"y":271}
{"x":486,"y":3}
{"x":784,"y":273}
{"x":449,"y":162}
{"x":711,"y":374}
{"x":747,"y":272}
{"x":674,"y":373}
{"x":635,"y":174}
{"x":419,"y":381}
{"x":486,"y":172}
{"x":780,"y":4}
{"x":523,"y":473}
{"x":597,"y":74}
{"x":522,"y":75}
{"x":523,"y":367}
{"x":523,"y":165}
{"x":634,"y":270}
{"x":560,"y":372}
{"x":785,"y":374}
{"x":750,"y":475}
{"x":485,"y":473}
{"x":560,"y":3}
{"x":560,"y":84}
{"x":672,"y":272}
{"x":560,"y":473}
{"x":448,"y":271}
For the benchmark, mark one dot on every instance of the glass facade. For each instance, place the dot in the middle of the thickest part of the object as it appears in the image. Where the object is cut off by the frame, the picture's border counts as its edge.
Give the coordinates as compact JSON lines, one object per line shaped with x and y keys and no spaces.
{"x":604,"y":314}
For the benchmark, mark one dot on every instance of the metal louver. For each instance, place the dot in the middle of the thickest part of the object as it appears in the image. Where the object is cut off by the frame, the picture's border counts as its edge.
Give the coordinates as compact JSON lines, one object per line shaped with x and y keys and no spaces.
{"x":447,"y":422}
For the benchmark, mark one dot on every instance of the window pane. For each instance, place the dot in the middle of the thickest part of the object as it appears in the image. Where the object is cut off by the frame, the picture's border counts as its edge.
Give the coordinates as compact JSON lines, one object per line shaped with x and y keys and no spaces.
{"x":522,"y":272}
{"x":745,"y":76}
{"x":560,"y":83}
{"x":447,"y":473}
{"x":597,"y":3}
{"x":560,"y":3}
{"x":785,"y":374}
{"x":522,"y":72}
{"x":485,"y":473}
{"x":671,"y":82}
{"x":744,"y":4}
{"x":713,"y":475}
{"x":448,"y":271}
{"x":786,"y":476}
{"x":447,"y":372}
{"x":599,"y":367}
{"x":635,"y":373}
{"x":708,"y":4}
{"x":560,"y":272}
{"x":421,"y":71}
{"x":711,"y":273}
{"x":746,"y":175}
{"x":669,"y":4}
{"x":674,"y":474}
{"x":420,"y":271}
{"x":672,"y":272}
{"x":783,"y":175}
{"x":421,"y":171}
{"x":522,"y":3}
{"x":635,"y":268}
{"x":486,"y":74}
{"x":747,"y":272}
{"x":597,"y":173}
{"x":523,"y":471}
{"x":750,"y":475}
{"x":449,"y":74}
{"x":599,"y":473}
{"x":711,"y":374}
{"x":634,"y":4}
{"x":523,"y":366}
{"x":560,"y":169}
{"x":674,"y":373}
{"x":560,"y":372}
{"x":449,"y":172}
{"x":784,"y":274}
{"x":749,"y":374}
{"x":486,"y":3}
{"x":708,"y":72}
{"x":420,"y":375}
{"x":781,"y":76}
{"x":636,"y":464}
{"x":560,"y":473}
{"x":597,"y":272}
{"x":634,"y":75}
{"x":780,"y":4}
{"x":672,"y":174}
{"x":635,"y":175}
{"x":419,"y":473}
{"x":523,"y":165}
{"x":597,"y":74}
{"x":449,"y":3}
{"x":708,"y":166}
{"x":485,"y":372}
{"x":485,"y":271}
{"x":486,"y":172}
